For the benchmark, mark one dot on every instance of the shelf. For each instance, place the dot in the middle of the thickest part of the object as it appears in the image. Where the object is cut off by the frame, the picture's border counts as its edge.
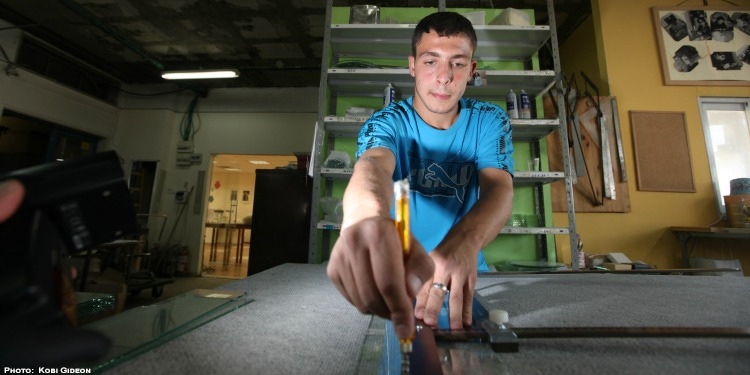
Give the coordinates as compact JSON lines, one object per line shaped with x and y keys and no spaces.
{"x":495,"y":42}
{"x":371,"y":81}
{"x":526,"y":178}
{"x":523,"y":130}
{"x":529,"y":130}
{"x":534,"y":230}
{"x":521,"y":178}
{"x":327,"y":225}
{"x":342,"y":127}
{"x":337,"y":173}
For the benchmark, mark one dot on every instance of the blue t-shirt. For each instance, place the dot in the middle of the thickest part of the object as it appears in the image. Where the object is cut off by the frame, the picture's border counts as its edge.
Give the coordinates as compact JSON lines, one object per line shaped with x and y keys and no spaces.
{"x":442,"y":165}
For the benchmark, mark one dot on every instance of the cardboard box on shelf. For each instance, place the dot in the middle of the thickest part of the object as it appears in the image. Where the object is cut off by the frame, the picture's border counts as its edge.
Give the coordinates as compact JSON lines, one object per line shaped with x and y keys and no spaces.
{"x":617,"y":266}
{"x":512,"y":17}
{"x":618,"y":258}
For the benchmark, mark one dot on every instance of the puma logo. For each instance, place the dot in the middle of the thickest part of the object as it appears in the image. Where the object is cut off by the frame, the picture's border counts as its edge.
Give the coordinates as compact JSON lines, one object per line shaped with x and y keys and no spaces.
{"x":436,"y":173}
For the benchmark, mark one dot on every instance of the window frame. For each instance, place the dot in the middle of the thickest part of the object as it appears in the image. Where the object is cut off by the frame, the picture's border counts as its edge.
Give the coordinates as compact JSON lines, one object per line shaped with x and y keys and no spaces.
{"x":705,"y":104}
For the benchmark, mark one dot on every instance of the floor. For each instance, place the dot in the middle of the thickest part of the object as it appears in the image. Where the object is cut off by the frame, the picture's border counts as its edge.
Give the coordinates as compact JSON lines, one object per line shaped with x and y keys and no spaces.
{"x":179,"y":285}
{"x":228,"y":269}
{"x":214,"y":275}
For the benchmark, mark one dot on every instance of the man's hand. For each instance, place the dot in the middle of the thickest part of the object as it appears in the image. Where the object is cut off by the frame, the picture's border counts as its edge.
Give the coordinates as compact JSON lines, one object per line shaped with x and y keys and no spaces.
{"x":456,"y":270}
{"x":368,"y":267}
{"x":11,"y":195}
{"x":456,"y":256}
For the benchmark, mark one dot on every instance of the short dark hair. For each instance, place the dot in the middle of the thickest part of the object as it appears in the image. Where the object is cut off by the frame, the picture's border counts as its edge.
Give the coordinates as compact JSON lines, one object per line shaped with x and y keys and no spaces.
{"x":444,"y":24}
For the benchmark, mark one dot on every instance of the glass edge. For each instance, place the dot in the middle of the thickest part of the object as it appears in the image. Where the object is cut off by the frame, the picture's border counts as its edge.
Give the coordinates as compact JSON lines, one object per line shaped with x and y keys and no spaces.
{"x":200,"y":320}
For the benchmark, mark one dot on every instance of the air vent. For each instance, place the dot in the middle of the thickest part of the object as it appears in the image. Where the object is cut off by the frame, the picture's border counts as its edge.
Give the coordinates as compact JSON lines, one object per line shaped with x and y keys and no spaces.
{"x":38,"y":58}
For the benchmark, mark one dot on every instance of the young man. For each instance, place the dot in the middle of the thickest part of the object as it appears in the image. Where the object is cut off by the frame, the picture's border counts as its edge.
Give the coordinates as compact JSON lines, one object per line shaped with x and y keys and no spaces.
{"x":450,"y":148}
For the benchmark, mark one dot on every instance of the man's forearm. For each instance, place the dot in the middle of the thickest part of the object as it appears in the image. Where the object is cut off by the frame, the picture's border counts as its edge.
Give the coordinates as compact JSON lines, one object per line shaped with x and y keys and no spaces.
{"x":369,"y":192}
{"x":486,"y":219}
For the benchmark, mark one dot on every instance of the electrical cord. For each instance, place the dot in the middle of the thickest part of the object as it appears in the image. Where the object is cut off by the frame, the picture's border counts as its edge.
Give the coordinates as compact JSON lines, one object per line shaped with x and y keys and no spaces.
{"x":187,"y":130}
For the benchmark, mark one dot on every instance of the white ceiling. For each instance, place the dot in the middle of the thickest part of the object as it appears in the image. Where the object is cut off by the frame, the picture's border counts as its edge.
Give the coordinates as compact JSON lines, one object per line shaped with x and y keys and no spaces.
{"x":274,"y":43}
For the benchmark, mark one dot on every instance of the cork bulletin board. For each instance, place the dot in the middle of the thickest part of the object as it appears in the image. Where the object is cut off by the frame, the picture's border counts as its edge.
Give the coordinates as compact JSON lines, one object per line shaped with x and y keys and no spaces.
{"x":662,"y":152}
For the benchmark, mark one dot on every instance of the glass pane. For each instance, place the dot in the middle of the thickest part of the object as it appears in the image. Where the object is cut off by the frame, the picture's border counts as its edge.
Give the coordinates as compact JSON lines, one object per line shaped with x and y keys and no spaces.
{"x":730,"y":140}
{"x":68,"y":147}
{"x":141,"y":329}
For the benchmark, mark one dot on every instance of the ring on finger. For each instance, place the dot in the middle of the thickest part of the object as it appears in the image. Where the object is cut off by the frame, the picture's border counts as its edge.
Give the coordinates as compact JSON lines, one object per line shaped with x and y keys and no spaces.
{"x":441,"y":286}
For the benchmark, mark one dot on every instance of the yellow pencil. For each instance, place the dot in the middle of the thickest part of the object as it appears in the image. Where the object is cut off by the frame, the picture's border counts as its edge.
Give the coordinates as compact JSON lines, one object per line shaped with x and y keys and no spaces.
{"x":401,"y":197}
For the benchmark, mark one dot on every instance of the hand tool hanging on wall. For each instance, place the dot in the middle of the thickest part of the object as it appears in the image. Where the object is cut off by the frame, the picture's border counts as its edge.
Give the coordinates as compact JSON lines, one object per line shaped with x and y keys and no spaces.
{"x":609,"y":176}
{"x":580,"y":162}
{"x":618,"y":138}
{"x":570,"y":96}
{"x":607,"y":172}
{"x":585,"y":120}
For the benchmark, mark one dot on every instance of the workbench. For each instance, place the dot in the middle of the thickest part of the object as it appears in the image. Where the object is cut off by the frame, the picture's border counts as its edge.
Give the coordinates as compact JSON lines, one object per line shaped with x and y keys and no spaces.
{"x":298,"y":323}
{"x":684,"y":234}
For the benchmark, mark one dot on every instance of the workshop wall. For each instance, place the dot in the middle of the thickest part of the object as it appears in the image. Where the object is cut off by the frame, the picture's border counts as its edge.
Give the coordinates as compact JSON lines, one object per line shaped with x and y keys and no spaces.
{"x":232,"y":122}
{"x":580,"y":54}
{"x":625,"y":42}
{"x":36,"y":96}
{"x":153,"y":135}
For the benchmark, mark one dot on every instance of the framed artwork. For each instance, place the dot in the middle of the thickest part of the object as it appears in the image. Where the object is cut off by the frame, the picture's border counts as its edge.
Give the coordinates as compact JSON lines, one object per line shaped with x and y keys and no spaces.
{"x":704,"y":45}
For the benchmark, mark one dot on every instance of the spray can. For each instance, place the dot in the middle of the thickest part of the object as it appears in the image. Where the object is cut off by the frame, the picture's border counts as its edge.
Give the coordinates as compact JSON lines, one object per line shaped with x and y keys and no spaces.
{"x":511,"y":104}
{"x":525,"y":105}
{"x":389,"y":95}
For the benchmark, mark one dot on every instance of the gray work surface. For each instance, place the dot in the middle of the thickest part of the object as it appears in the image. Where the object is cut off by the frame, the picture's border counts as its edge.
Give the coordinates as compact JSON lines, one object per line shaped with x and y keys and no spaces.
{"x":299,"y":324}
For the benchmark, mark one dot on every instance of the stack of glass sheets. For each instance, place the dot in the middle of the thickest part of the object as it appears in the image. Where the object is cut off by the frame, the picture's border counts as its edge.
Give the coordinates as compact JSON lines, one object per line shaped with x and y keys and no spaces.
{"x":88,"y":304}
{"x":138,"y":330}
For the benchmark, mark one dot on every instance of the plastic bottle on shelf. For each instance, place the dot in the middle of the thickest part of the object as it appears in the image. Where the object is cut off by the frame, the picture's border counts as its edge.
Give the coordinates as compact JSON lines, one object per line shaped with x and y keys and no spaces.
{"x":511,"y":104}
{"x":389,"y":95}
{"x":525,"y":105}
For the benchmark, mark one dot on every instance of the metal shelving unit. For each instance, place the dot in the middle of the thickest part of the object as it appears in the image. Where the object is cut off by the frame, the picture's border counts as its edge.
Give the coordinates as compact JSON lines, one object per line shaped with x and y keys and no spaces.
{"x":510,"y":43}
{"x":496,"y":43}
{"x":370,"y":82}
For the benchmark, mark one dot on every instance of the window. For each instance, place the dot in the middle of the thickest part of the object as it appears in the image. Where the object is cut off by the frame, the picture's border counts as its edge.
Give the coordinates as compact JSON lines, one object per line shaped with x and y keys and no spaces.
{"x":27,"y":141}
{"x":727,"y":132}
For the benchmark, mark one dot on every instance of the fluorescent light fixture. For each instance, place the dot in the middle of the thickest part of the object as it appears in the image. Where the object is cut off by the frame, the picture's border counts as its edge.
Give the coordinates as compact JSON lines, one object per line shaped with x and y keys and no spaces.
{"x":201,"y":74}
{"x":259,"y":162}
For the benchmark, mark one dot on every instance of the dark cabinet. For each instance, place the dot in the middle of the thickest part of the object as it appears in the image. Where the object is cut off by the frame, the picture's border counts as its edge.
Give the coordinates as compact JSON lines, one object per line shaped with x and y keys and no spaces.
{"x":281,"y":218}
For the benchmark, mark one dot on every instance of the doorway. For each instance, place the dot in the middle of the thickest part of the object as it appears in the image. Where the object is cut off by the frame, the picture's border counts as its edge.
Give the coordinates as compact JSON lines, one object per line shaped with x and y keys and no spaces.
{"x":228,"y":220}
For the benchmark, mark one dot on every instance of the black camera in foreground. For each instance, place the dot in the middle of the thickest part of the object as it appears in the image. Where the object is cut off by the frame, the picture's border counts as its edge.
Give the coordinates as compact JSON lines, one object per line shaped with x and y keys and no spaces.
{"x":68,"y":207}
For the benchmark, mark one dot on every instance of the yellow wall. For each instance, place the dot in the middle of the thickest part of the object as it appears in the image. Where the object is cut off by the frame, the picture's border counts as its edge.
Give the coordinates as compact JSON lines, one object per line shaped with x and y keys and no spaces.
{"x":579,"y":54}
{"x":625,"y":41}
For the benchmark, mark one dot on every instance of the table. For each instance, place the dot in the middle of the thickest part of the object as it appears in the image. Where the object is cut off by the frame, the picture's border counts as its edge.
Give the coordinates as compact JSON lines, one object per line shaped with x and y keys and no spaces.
{"x":298,"y":323}
{"x":230,"y":227}
{"x":684,"y":234}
